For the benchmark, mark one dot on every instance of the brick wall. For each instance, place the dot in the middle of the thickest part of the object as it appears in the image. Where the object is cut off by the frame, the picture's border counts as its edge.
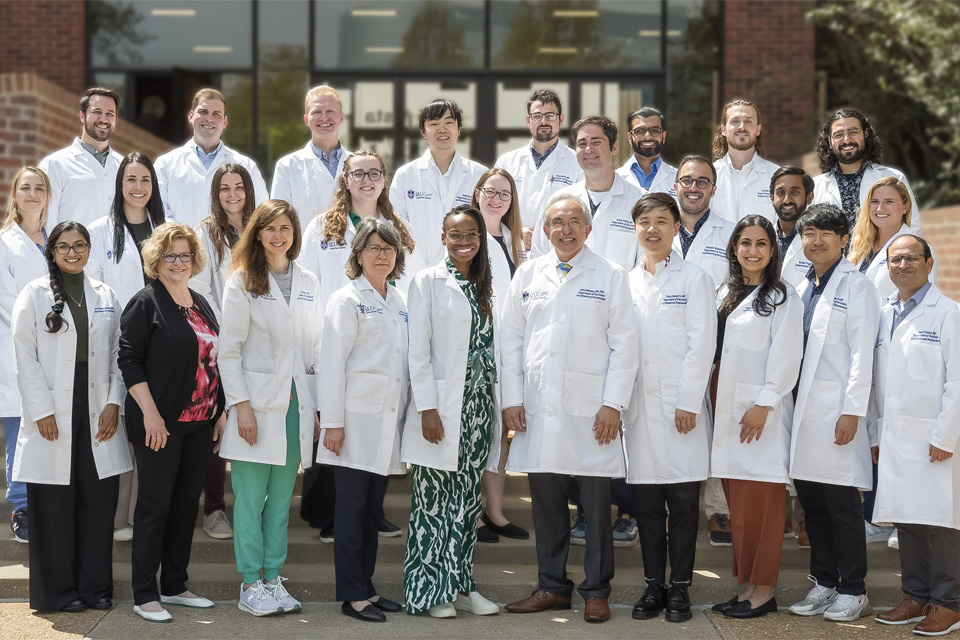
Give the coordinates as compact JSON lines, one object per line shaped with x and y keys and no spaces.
{"x":769,"y":58}
{"x":46,"y":37}
{"x":941,"y":228}
{"x":38,"y":117}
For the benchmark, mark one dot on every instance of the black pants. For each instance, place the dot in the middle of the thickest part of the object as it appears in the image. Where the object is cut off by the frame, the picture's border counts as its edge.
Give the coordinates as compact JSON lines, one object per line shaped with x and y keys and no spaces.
{"x":930,"y":564}
{"x":620,"y":495}
{"x":318,"y":502}
{"x":71,"y":526}
{"x":870,"y":498}
{"x":838,"y":542}
{"x":166,"y":514}
{"x":652,"y":502}
{"x":551,"y":520}
{"x":359,"y":505}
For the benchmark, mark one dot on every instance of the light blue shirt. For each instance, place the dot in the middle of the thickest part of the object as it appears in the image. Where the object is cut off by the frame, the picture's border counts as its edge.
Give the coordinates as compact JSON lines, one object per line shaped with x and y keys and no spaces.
{"x":646,"y":179}
{"x":330,"y":160}
{"x":902,"y":309}
{"x":206,"y":159}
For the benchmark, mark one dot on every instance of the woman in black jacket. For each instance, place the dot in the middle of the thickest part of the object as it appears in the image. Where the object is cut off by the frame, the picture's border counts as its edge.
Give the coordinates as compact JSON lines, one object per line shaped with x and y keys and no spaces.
{"x":168,"y":358}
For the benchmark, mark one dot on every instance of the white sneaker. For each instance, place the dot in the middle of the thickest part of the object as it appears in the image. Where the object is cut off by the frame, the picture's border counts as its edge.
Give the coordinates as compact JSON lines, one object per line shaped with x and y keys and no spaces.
{"x":894,"y":540}
{"x":217,"y":526}
{"x":442,"y":611}
{"x":281,"y":595}
{"x":475,"y":603}
{"x":195,"y":602}
{"x":153,"y":616}
{"x":123,"y":535}
{"x":847,"y":608}
{"x":876,"y":533}
{"x":817,"y":601}
{"x":256,"y":600}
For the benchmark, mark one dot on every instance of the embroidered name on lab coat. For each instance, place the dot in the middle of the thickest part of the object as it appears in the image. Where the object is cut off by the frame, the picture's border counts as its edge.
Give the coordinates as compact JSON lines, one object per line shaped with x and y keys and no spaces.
{"x":369,"y":310}
{"x":534,"y":295}
{"x":840,"y":303}
{"x":104,"y":310}
{"x":926,"y":336}
{"x":621,"y":224}
{"x":463,"y":198}
{"x":562,"y":179}
{"x":715,"y":252}
{"x":764,"y":194}
{"x":592,"y":294}
{"x":306,"y":296}
{"x":675,"y":299}
{"x":419,"y":195}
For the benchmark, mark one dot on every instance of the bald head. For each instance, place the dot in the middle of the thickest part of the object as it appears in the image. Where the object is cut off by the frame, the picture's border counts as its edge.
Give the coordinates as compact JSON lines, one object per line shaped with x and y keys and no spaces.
{"x":909,"y":263}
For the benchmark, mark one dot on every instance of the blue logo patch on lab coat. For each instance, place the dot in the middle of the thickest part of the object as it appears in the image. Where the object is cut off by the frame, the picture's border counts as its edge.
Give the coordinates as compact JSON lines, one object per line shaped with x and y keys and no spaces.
{"x":410,"y":194}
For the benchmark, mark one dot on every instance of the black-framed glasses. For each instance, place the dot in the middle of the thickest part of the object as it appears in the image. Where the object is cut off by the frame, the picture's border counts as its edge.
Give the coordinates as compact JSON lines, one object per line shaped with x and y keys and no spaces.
{"x":490,"y":192}
{"x":910,"y":258}
{"x":702,"y":183}
{"x":380,"y":249}
{"x":852,"y":132}
{"x":456,"y":236}
{"x":79,"y":248}
{"x":639,"y":132}
{"x":549,"y":116}
{"x":374,"y":175}
{"x":170,"y":258}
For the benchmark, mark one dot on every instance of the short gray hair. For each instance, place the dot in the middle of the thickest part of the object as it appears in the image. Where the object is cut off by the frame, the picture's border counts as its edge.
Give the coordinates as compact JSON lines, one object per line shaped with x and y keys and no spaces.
{"x":388,"y":233}
{"x":572,"y":197}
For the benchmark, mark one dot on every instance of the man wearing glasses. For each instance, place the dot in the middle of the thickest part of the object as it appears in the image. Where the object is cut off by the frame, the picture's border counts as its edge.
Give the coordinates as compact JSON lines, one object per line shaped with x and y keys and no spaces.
{"x":850,"y":152}
{"x":646,"y":168}
{"x":543,"y":167}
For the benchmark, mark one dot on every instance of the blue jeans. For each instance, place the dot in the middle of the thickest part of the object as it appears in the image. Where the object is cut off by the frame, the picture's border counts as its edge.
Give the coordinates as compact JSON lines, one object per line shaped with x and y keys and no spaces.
{"x":16,"y":491}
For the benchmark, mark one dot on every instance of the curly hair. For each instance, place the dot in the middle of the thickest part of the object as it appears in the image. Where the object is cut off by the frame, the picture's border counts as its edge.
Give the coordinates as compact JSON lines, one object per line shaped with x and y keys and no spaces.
{"x":772,"y":292}
{"x":865,"y":232}
{"x":872,"y":148}
{"x":249,"y":255}
{"x":720,"y":141}
{"x":162,"y":241}
{"x":217,"y":223}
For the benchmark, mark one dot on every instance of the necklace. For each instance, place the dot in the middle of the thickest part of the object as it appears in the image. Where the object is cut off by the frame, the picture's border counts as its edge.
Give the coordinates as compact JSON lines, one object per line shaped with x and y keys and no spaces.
{"x":79,"y":302}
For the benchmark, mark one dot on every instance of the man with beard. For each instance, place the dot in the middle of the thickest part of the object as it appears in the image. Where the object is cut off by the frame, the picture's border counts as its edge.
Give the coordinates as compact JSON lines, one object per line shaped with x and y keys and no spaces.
{"x":645,"y":168}
{"x":543,"y":167}
{"x":791,"y":191}
{"x":83,"y":176}
{"x":850,"y":152}
{"x":743,"y":174}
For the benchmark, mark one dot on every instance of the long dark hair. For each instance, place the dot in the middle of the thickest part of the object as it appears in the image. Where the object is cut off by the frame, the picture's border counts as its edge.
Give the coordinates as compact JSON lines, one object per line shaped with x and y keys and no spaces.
{"x":217,"y":223}
{"x":119,"y":218}
{"x":479,"y":274}
{"x":55,"y":320}
{"x":872,"y":148}
{"x":767,"y":300}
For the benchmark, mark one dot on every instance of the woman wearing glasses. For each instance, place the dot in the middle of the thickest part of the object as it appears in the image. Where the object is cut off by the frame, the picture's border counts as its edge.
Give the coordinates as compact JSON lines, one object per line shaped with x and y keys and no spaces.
{"x":174,"y":407}
{"x":69,"y":453}
{"x":453,"y":425}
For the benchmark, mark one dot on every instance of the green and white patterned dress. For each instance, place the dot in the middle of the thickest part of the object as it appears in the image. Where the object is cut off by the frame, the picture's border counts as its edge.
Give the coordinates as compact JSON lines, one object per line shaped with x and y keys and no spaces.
{"x":445,"y":505}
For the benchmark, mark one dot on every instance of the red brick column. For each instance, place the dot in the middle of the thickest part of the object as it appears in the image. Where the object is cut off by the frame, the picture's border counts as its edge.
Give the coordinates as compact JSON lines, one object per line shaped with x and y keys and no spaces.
{"x":47,"y":37}
{"x":941,"y":228}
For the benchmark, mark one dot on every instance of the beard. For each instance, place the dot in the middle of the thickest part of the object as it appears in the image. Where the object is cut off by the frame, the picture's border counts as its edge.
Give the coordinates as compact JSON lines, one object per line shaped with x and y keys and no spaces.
{"x":544,"y":135}
{"x":647,"y":152}
{"x":850,"y":157}
{"x":790,"y":217}
{"x":96,"y":134}
{"x":745,"y":145}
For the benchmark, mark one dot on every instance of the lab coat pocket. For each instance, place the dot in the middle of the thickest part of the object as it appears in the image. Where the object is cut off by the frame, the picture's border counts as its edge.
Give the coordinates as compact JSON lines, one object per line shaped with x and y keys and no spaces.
{"x":755,"y":334}
{"x":261,"y":387}
{"x":835,"y":329}
{"x":673,"y":324}
{"x":582,"y":394}
{"x":744,"y":398}
{"x":925,"y":362}
{"x":823,"y":401}
{"x":365,"y":393}
{"x":913,"y":438}
{"x":310,"y":397}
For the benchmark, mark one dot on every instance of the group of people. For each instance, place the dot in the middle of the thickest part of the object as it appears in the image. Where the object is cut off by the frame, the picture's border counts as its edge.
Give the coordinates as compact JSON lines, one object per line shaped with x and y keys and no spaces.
{"x":634,"y":335}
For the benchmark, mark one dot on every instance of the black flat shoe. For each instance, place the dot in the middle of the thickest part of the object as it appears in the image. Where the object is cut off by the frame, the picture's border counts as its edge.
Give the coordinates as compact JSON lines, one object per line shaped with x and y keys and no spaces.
{"x":508,"y":530}
{"x":484,"y":534}
{"x":103,"y":604}
{"x":721,"y":607}
{"x":74,"y":606}
{"x":744,"y":610}
{"x":368,"y":614}
{"x":387,"y":605}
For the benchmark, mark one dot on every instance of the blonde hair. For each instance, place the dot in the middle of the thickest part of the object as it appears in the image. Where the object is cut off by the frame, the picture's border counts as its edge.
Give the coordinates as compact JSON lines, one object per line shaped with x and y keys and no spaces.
{"x":162,"y":241}
{"x":865,"y":232}
{"x":208,"y":94}
{"x":321,"y":90}
{"x":13,"y":211}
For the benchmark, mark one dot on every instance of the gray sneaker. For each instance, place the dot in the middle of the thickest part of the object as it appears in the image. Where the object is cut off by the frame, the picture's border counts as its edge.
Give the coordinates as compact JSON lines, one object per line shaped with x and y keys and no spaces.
{"x":217,"y":526}
{"x":625,"y":533}
{"x":578,"y":533}
{"x":847,"y":608}
{"x":258,"y":601}
{"x":817,"y":601}
{"x":281,"y":595}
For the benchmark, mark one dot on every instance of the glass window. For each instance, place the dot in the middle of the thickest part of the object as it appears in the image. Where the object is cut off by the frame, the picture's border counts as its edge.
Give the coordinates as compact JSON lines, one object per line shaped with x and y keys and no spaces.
{"x":368,"y":121}
{"x":237,"y":88}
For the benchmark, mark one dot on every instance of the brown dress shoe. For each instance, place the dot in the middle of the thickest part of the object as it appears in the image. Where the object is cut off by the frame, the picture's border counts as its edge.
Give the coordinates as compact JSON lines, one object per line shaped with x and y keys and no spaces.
{"x":906,"y":612}
{"x":596,"y":610}
{"x":538,"y":601}
{"x":803,"y":540}
{"x":939,"y":621}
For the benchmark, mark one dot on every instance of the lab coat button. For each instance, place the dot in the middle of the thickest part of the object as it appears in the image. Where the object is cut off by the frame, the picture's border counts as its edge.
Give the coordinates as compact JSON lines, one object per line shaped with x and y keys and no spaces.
{"x":93,"y":353}
{"x":646,"y":363}
{"x":393,"y":409}
{"x":92,"y":385}
{"x":96,"y":444}
{"x":396,"y":379}
{"x":720,"y":411}
{"x":93,"y":415}
{"x":303,"y":437}
{"x":726,"y":350}
{"x":396,"y":350}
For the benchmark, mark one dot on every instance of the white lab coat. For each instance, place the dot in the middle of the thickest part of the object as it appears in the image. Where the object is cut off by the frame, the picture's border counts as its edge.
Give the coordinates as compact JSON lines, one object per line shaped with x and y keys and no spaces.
{"x":44,"y":368}
{"x":303,"y":180}
{"x":568,"y":348}
{"x":879,"y":273}
{"x":759,"y":365}
{"x":745,"y":192}
{"x":20,"y":262}
{"x":709,"y":249}
{"x":499,"y":266}
{"x":835,"y":380}
{"x":364,"y":379}
{"x":420,"y":195}
{"x":918,"y":385}
{"x":663,"y":182}
{"x":535,"y":186}
{"x":185,"y":184}
{"x":440,"y":319}
{"x":125,"y":277}
{"x":613,"y":235}
{"x":676,"y":322}
{"x":212,"y":279}
{"x":827,"y":191}
{"x":80,"y":189}
{"x":266,"y":345}
{"x":795,"y":264}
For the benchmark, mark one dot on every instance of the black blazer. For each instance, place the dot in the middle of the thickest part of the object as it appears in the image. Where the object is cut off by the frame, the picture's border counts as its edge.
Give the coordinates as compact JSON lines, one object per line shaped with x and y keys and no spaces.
{"x":158,"y":346}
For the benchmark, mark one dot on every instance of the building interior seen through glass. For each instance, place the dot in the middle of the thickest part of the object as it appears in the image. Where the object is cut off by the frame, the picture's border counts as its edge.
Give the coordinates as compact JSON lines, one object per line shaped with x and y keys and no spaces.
{"x":388,"y":58}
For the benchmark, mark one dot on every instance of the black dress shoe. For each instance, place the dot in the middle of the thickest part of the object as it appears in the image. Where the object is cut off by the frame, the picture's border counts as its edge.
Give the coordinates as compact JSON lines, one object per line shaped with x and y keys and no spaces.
{"x":744,"y":610}
{"x":368,"y":614}
{"x":74,"y":606}
{"x":508,"y":530}
{"x":723,"y":606}
{"x":484,"y":534}
{"x":651,"y":603}
{"x":387,"y":605}
{"x":103,"y":604}
{"x":678,"y":604}
{"x":388,"y":529}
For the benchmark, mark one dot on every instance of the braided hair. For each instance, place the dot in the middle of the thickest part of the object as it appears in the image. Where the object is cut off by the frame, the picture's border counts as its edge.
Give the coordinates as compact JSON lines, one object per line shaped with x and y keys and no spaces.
{"x":55,"y":320}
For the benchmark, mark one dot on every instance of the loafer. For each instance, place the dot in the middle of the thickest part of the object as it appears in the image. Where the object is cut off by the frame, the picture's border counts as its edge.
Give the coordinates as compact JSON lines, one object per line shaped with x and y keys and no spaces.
{"x":194,"y":603}
{"x":596,"y":610}
{"x":744,"y":610}
{"x":446,"y":610}
{"x":538,"y":601}
{"x":368,"y":614}
{"x":74,"y":606}
{"x":476,"y":604}
{"x":389,"y":530}
{"x":484,"y":534}
{"x":103,"y":604}
{"x":724,"y":606}
{"x":508,"y":530}
{"x":387,"y":605}
{"x":153,"y":616}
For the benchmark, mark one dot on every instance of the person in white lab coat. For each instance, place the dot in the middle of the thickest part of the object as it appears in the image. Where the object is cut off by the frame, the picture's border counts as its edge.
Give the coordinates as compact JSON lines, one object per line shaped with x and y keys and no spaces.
{"x":269,"y":349}
{"x":82,"y":175}
{"x":850,"y":152}
{"x":115,"y":260}
{"x":495,"y":197}
{"x":758,"y":354}
{"x":611,"y":198}
{"x":307,"y":178}
{"x":667,"y":426}
{"x":23,"y":237}
{"x":364,"y":381}
{"x":791,"y":191}
{"x":70,"y":449}
{"x":185,"y":174}
{"x":453,"y":427}
{"x":425,"y":189}
{"x":743,"y":173}
{"x":569,"y":344}
{"x":917,"y":385}
{"x":647,"y":133}
{"x":544,"y":166}
{"x":830,"y":447}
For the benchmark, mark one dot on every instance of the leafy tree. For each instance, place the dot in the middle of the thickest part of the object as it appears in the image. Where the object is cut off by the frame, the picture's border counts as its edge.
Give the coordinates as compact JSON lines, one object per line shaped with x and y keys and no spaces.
{"x":115,"y":29}
{"x":434,"y":39}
